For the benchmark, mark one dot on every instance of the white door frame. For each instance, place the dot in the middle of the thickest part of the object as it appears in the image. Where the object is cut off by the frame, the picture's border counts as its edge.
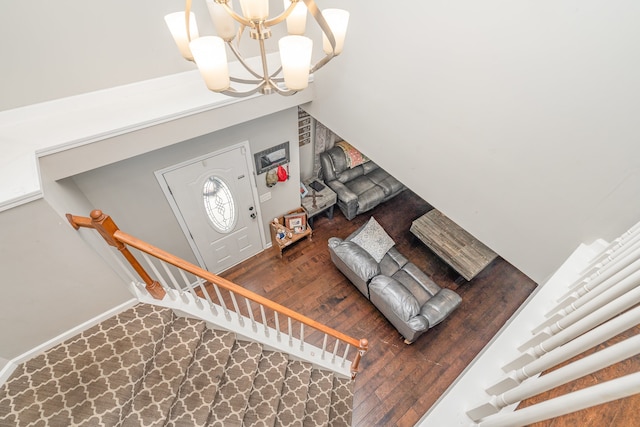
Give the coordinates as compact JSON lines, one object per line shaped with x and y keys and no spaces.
{"x":176,"y":211}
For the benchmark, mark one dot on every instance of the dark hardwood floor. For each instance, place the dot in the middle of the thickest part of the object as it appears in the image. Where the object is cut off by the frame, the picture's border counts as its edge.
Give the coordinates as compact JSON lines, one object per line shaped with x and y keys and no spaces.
{"x":398,"y":383}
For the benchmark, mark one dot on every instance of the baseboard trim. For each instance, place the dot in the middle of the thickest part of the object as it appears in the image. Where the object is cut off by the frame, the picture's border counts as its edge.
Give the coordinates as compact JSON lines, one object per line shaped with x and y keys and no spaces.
{"x":11,"y":365}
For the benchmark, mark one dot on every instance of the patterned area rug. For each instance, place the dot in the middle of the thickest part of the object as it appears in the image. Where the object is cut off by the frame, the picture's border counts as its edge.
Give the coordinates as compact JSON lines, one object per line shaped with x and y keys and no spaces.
{"x":147,"y":367}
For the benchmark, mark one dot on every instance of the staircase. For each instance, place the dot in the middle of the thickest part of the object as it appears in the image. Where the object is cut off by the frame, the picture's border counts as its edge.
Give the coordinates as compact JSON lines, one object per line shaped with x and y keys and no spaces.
{"x":148,"y":367}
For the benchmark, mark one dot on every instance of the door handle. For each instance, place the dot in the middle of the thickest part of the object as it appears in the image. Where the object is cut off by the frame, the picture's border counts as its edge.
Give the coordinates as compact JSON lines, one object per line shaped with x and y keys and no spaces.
{"x":253,"y":214}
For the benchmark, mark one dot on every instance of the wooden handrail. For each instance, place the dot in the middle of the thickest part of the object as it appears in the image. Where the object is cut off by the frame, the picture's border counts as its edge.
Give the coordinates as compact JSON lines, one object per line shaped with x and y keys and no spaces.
{"x":224,"y":283}
{"x":119,"y":239}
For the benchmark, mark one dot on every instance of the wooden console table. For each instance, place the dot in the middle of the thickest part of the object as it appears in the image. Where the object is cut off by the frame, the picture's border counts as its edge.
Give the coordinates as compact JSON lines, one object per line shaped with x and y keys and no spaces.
{"x":463,"y":252}
{"x":281,"y":244}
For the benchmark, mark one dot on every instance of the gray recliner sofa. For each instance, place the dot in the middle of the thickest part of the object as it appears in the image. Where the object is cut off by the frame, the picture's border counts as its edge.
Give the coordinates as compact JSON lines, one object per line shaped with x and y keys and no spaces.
{"x":359,"y":188}
{"x":405,"y":295}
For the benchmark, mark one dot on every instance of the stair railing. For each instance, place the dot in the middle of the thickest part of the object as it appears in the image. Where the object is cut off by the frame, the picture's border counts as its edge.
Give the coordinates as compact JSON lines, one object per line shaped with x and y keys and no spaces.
{"x":199,"y":291}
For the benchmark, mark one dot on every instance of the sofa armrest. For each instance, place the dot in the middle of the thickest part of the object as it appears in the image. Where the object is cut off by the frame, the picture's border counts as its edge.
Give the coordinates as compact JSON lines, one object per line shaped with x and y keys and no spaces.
{"x":440,"y":306}
{"x":347,"y":199}
{"x":343,"y":192}
{"x":399,"y":306}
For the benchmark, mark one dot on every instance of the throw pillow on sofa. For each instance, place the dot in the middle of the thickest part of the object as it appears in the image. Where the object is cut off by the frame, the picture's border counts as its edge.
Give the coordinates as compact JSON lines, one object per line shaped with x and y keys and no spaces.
{"x":373,"y":239}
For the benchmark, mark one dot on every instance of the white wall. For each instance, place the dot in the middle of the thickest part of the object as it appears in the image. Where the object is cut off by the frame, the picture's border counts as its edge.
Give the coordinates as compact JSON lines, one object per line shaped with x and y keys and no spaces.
{"x":516,"y":119}
{"x":51,"y":282}
{"x":129,"y":192}
{"x":64,"y":48}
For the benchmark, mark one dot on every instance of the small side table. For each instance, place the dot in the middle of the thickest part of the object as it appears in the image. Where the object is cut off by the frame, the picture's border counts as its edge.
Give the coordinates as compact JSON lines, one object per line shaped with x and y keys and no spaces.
{"x":281,"y":244}
{"x":324,"y":201}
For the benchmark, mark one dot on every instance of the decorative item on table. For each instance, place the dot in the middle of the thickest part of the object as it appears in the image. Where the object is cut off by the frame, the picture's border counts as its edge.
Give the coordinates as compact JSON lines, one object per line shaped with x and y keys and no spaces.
{"x":281,"y":232}
{"x":296,"y":222}
{"x":303,"y":190}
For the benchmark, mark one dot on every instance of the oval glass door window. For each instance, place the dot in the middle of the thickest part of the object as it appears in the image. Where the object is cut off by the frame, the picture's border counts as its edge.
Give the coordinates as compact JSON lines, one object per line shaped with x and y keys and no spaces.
{"x":219,"y":204}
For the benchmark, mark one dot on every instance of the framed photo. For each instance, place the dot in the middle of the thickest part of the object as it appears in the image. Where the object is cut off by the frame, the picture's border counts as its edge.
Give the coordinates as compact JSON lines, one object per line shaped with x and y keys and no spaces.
{"x":303,"y":190}
{"x":296,"y":222}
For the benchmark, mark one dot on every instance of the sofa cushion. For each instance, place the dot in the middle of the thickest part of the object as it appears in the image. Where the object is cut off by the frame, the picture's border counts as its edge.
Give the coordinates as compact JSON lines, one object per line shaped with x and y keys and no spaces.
{"x":370,"y":199}
{"x":356,"y":259}
{"x":373,"y":239}
{"x":394,"y":295}
{"x":392,"y":262}
{"x":413,"y":286}
{"x":349,"y":175}
{"x":388,"y":183}
{"x":360,"y":184}
{"x":419,"y":276}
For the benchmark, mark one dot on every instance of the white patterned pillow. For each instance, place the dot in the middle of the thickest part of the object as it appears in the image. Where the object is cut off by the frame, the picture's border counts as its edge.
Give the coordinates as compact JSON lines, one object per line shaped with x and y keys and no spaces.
{"x":373,"y":239}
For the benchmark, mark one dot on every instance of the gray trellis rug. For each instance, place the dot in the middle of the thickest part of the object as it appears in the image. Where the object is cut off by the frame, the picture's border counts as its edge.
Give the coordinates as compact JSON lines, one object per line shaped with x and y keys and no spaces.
{"x":148,"y":367}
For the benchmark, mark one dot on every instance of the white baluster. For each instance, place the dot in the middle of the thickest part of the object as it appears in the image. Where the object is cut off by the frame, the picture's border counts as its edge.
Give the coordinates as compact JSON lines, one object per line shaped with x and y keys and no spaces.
{"x":254,"y":326}
{"x":561,"y":354}
{"x":264,"y":321}
{"x":620,"y":284}
{"x":617,"y":265}
{"x":586,"y":323}
{"x":195,"y":296}
{"x":324,"y":346}
{"x":585,"y":366}
{"x":344,"y":356}
{"x":275,"y":313}
{"x":225,"y":310}
{"x":237,"y":309}
{"x":568,"y":403}
{"x":176,"y":286}
{"x":161,"y":279}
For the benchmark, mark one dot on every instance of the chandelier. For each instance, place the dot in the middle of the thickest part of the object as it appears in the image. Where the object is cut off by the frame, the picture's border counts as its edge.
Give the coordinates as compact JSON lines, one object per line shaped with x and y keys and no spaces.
{"x":209,"y":52}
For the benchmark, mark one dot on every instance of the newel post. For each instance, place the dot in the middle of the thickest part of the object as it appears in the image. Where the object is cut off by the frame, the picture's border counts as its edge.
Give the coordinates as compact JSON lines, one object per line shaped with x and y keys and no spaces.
{"x":107,"y":229}
{"x":362,"y":349}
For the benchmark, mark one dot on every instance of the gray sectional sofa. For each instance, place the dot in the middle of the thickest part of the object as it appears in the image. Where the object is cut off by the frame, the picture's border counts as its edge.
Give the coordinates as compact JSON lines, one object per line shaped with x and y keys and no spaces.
{"x":359,"y":188}
{"x":405,"y":295}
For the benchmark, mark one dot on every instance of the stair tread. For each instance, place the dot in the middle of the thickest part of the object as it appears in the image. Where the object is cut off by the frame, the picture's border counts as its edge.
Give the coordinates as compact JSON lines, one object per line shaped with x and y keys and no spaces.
{"x":341,"y":402}
{"x":88,"y":379}
{"x":152,"y":402}
{"x":232,"y":396}
{"x":318,"y":399}
{"x":198,"y":389}
{"x":265,"y":393}
{"x":147,"y":367}
{"x":294,"y":394}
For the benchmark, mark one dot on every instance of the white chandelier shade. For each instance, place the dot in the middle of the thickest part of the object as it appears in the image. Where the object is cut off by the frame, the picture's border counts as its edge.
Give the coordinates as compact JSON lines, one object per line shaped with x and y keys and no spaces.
{"x":209,"y":53}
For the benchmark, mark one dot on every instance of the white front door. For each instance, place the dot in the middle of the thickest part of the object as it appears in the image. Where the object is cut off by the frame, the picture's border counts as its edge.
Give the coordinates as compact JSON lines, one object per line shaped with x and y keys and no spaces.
{"x":214,"y":201}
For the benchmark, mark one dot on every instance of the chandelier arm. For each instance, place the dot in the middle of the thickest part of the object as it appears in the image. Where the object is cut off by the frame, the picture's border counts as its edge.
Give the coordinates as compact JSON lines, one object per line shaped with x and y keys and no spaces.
{"x":283,"y":92}
{"x":187,"y":19}
{"x":236,"y":94}
{"x":324,"y":26}
{"x":245,"y":81}
{"x":274,"y":74}
{"x":321,"y":63}
{"x":241,"y":19}
{"x":242,"y":61}
{"x":278,"y":19}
